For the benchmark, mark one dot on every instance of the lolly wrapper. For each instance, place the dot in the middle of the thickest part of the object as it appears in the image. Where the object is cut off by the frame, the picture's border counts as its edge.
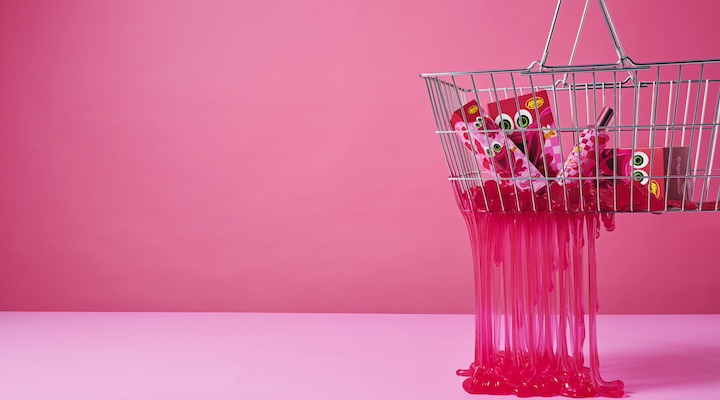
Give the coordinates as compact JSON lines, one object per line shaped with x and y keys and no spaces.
{"x":534,"y":120}
{"x":583,"y":158}
{"x":497,"y":155}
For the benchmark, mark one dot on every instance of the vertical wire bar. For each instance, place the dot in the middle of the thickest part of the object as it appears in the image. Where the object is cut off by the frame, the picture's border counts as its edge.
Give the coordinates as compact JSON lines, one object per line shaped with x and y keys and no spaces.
{"x":700,"y":129}
{"x":711,"y":150}
{"x":685,"y":114}
{"x":482,"y":181}
{"x":597,"y":147}
{"x":454,"y":100}
{"x":469,"y":178}
{"x":542,"y":143}
{"x":618,"y":122}
{"x":492,"y":159}
{"x":667,"y":123}
{"x":587,"y":106}
{"x":653,"y":121}
{"x":507,"y":150}
{"x":438,"y":124}
{"x":430,"y":95}
{"x":477,"y":165}
{"x":461,"y":154}
{"x":468,"y":157}
{"x":602,"y":91}
{"x":692,"y":138}
{"x":700,"y":132}
{"x":672,"y":132}
{"x":446,"y":122}
{"x":576,"y":136}
{"x":636,"y":112}
{"x":525,"y":146}
{"x":620,"y":112}
{"x":559,"y":135}
{"x":447,"y":143}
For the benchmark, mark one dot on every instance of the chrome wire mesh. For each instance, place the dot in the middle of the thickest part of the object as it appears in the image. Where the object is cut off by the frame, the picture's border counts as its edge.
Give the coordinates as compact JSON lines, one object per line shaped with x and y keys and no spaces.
{"x":661,"y":105}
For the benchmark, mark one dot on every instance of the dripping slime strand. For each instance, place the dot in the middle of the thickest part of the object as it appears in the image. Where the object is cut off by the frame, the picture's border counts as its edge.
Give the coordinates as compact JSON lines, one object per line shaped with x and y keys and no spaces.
{"x":531,"y":274}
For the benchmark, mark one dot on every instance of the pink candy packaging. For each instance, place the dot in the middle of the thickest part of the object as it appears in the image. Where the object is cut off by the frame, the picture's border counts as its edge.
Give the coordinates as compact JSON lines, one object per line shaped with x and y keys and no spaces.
{"x":497,"y":155}
{"x":530,"y":115}
{"x":647,"y":166}
{"x":582,"y":160}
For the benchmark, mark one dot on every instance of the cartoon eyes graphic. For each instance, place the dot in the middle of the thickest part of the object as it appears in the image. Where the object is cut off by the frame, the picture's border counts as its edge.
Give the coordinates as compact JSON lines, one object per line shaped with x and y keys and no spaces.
{"x":495,"y":148}
{"x":641,"y":176}
{"x":523,"y":118}
{"x":640,"y":159}
{"x":504,"y":122}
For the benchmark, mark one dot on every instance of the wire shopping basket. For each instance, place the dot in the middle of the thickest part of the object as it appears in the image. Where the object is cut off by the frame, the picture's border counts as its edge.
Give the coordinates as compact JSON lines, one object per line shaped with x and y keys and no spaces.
{"x":534,"y":139}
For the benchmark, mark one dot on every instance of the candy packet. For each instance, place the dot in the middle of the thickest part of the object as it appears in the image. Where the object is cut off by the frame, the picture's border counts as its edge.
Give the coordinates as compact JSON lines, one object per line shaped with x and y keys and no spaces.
{"x":497,"y":155}
{"x":530,"y":116}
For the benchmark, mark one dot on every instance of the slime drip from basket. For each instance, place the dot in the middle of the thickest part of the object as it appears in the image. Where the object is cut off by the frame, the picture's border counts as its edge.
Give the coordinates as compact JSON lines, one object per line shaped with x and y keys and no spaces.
{"x":592,"y":196}
{"x":530,"y":315}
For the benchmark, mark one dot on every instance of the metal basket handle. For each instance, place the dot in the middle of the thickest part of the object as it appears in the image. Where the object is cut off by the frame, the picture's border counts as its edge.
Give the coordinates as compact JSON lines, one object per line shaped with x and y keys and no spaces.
{"x":623,"y":60}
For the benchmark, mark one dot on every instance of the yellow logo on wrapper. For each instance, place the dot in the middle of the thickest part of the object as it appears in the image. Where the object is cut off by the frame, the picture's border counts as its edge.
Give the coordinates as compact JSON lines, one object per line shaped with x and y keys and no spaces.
{"x":655,"y":188}
{"x":533,"y":103}
{"x":473,"y":110}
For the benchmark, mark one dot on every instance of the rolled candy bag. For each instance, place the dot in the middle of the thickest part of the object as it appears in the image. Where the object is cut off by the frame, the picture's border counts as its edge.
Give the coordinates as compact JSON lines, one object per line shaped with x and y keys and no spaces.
{"x":582,"y":159}
{"x":497,"y":155}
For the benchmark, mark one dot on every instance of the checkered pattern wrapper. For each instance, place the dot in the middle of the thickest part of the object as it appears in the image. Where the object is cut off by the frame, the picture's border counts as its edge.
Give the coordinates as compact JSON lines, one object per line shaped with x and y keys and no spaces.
{"x":553,"y":151}
{"x":582,"y":159}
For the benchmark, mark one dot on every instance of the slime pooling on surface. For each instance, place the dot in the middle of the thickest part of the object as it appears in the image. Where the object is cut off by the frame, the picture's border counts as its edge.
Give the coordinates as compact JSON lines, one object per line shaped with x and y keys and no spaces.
{"x":530,"y":313}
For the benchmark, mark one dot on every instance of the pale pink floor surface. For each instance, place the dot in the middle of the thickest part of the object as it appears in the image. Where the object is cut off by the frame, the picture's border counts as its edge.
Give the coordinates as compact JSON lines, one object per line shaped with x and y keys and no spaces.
{"x":315,"y":356}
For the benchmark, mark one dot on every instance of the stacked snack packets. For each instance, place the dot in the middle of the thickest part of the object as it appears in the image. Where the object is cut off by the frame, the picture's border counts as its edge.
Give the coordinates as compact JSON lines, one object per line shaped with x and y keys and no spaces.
{"x":510,"y":144}
{"x":497,"y":155}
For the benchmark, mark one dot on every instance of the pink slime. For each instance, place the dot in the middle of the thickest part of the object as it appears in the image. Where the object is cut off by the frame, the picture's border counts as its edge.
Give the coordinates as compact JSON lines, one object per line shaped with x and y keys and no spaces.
{"x":529,"y":280}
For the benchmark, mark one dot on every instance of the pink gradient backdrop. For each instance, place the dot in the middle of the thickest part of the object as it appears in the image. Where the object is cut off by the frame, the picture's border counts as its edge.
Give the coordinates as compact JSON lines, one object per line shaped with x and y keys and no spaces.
{"x":280,"y":156}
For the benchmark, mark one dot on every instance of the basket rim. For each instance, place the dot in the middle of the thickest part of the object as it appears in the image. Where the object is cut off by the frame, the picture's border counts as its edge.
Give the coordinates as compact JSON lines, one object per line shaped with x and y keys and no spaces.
{"x":571,"y":68}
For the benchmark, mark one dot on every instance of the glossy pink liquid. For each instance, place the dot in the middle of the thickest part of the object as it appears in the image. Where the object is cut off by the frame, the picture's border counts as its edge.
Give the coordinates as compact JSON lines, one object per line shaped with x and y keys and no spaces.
{"x":531,"y":271}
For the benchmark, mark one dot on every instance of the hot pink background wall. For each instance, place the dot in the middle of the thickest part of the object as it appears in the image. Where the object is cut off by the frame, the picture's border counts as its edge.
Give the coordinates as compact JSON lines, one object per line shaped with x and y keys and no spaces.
{"x":280,"y":155}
